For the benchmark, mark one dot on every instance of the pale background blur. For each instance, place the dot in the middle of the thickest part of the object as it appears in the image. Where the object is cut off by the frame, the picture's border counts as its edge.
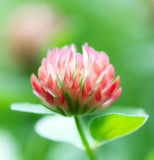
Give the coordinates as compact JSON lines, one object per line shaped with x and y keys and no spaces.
{"x":123,"y":29}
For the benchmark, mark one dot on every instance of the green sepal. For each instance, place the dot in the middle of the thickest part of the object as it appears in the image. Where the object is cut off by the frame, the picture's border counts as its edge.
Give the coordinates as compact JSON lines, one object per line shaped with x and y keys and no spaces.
{"x":66,"y":95}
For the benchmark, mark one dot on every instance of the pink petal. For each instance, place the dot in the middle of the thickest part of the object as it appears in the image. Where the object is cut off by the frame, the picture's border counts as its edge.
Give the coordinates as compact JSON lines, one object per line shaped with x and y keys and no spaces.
{"x":104,"y":81}
{"x":50,"y":82}
{"x":112,"y":99}
{"x":68,"y":80}
{"x":61,"y":98}
{"x":87,"y":87}
{"x":110,"y":71}
{"x":113,"y":86}
{"x":42,"y":73}
{"x":98,"y":94}
{"x":75,"y":83}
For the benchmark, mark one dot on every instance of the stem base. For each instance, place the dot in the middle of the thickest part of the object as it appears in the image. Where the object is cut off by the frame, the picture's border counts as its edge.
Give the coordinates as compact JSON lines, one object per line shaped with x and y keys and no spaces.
{"x":83,"y":138}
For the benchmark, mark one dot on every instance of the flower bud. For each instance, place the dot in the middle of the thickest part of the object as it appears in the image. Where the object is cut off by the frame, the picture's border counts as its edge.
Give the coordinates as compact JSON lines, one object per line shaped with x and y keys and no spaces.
{"x":72,"y":83}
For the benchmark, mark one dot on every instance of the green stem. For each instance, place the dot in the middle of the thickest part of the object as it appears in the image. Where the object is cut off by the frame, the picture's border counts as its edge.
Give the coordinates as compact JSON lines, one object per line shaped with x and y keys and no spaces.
{"x":83,"y":138}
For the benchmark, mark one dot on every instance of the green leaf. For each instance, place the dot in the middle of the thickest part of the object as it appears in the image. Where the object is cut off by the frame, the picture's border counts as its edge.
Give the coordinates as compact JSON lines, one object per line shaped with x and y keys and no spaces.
{"x":126,"y":110}
{"x":59,"y":128}
{"x":32,"y":108}
{"x":150,"y":155}
{"x":114,"y":125}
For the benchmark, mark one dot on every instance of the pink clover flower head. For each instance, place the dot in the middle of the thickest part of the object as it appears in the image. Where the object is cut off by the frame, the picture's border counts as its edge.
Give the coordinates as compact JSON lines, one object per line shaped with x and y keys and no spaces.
{"x":72,"y":83}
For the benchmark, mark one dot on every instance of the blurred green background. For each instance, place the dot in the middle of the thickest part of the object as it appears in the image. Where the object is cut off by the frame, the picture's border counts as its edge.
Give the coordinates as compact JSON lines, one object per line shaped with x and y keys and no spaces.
{"x":124,"y":29}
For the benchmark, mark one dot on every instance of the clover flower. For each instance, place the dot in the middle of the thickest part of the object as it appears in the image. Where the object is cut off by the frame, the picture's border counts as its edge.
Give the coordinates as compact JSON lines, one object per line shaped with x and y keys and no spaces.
{"x":72,"y":83}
